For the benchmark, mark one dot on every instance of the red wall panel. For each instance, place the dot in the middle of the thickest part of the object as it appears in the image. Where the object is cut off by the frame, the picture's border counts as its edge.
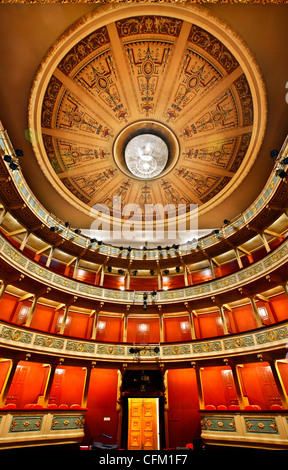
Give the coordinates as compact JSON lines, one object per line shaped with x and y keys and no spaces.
{"x":177,"y":329}
{"x":102,"y":397}
{"x":183,"y":416}
{"x":143,"y":330}
{"x":109,"y":329}
{"x":8,"y":306}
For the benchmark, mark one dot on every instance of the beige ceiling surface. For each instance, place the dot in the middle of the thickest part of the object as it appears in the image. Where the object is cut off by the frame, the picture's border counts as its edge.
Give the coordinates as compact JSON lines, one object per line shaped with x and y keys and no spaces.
{"x":152,"y":66}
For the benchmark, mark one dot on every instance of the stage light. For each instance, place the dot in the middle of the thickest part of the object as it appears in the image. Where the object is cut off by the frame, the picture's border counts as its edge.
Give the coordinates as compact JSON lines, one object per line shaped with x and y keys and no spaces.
{"x":93,"y":240}
{"x":19,"y":152}
{"x":177,"y":269}
{"x":159,"y":247}
{"x":145,"y":296}
{"x":135,"y":272}
{"x":129,"y":249}
{"x":109,"y":269}
{"x":152,"y":272}
{"x":281,"y":173}
{"x":285,"y":160}
{"x":154,"y":293}
{"x":99,"y":242}
{"x":67,"y":224}
{"x":274,"y":153}
{"x":166,"y":271}
{"x":78,"y":231}
{"x":7,"y":158}
{"x":121,"y":248}
{"x":144,"y":305}
{"x":13,"y":166}
{"x":53,"y":229}
{"x":120,"y":271}
{"x":156,"y":350}
{"x":226,"y":221}
{"x":215,"y":231}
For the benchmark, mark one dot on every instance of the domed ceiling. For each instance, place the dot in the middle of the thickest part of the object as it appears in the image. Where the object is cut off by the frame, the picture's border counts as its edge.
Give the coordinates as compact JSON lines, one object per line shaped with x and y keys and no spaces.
{"x":123,"y":81}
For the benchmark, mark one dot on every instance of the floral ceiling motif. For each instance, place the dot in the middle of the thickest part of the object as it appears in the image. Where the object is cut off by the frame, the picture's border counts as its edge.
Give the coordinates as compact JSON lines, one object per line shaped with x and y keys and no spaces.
{"x":157,"y":68}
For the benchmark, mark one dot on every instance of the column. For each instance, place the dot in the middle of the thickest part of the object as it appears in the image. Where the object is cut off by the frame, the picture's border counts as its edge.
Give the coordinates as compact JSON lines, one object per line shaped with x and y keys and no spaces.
{"x":256,"y":313}
{"x":223,"y":319}
{"x":265,"y":243}
{"x":161,"y":324}
{"x":75,"y":268}
{"x":95,"y":320}
{"x":279,"y":383}
{"x":199,"y":385}
{"x":125,"y":324}
{"x":191,"y":319}
{"x":49,"y":385}
{"x":159,"y":280}
{"x":212,"y":268}
{"x":3,"y":288}
{"x":238,"y":387}
{"x":238,"y":257}
{"x":87,"y":383}
{"x":49,"y":256}
{"x":127,"y":280}
{"x":102,"y":276}
{"x":24,"y":241}
{"x":8,"y":381}
{"x":32,"y":310}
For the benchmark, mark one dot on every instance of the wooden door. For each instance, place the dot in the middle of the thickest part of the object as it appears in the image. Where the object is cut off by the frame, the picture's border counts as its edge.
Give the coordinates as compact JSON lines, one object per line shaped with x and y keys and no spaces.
{"x":143,"y":424}
{"x":268,"y":386}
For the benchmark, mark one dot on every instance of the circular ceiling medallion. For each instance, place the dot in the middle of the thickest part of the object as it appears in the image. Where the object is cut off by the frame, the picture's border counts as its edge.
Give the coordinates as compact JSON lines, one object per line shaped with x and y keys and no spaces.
{"x":174,"y":73}
{"x":146,"y":156}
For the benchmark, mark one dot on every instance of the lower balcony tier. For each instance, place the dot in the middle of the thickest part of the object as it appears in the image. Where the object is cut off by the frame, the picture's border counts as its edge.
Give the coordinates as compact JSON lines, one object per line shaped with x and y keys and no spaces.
{"x":249,"y":429}
{"x":36,"y":427}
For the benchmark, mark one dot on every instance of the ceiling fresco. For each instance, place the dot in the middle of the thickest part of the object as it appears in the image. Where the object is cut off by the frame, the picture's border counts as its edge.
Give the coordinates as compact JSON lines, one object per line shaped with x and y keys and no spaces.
{"x":157,"y":70}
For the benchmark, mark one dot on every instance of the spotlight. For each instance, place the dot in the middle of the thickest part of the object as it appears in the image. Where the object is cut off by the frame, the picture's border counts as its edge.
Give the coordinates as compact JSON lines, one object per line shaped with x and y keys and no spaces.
{"x":285,"y":160}
{"x":99,"y":242}
{"x":177,"y":269}
{"x":145,"y":296}
{"x":281,"y":173}
{"x":135,"y":272}
{"x":93,"y":240}
{"x":166,"y":271}
{"x":152,"y":272}
{"x":167,"y":248}
{"x":109,"y":269}
{"x":144,"y":248}
{"x":121,"y":248}
{"x":129,"y":249}
{"x":7,"y":158}
{"x":53,"y":229}
{"x":144,"y":305}
{"x":156,"y":350}
{"x":19,"y":152}
{"x":120,"y":271}
{"x":78,"y":231}
{"x":215,"y":231}
{"x":226,"y":221}
{"x":13,"y":166}
{"x":154,"y":293}
{"x":159,"y":247}
{"x":274,"y":153}
{"x":131,"y":350}
{"x":67,"y":224}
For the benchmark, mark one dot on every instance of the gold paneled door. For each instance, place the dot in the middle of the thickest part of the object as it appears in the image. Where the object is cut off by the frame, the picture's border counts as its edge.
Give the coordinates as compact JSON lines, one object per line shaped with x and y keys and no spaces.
{"x":143,"y":424}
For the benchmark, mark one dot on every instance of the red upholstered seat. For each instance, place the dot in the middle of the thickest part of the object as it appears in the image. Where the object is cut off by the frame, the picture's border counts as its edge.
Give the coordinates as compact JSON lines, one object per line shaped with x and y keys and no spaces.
{"x":63,"y":406}
{"x":10,"y":406}
{"x":75,"y":406}
{"x":52,"y":406}
{"x":221,"y":407}
{"x":234,"y":407}
{"x":276,"y":407}
{"x":210,"y":407}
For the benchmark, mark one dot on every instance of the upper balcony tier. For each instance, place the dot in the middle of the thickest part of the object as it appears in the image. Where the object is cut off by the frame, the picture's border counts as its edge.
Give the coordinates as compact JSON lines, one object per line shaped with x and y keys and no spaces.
{"x":237,"y":243}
